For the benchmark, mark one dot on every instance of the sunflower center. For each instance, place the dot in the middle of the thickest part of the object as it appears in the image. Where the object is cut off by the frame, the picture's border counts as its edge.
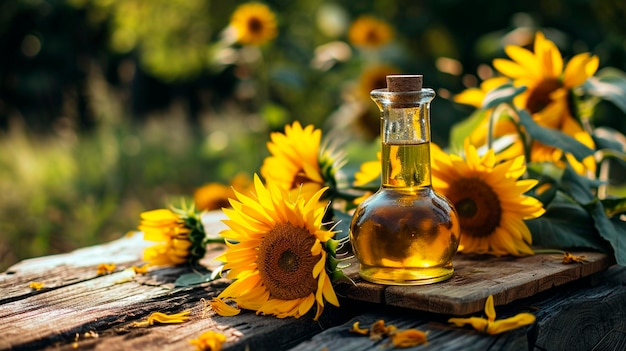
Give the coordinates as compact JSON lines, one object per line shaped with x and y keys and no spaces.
{"x":299,"y":179}
{"x":539,"y":97}
{"x":288,"y":261}
{"x":255,"y":25}
{"x":477,"y":206}
{"x":285,"y":262}
{"x":372,"y":38}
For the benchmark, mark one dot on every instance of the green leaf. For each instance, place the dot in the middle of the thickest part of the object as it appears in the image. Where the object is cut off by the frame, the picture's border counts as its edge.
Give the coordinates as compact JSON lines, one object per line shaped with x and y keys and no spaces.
{"x":612,"y":230}
{"x":463,"y":129}
{"x":609,"y":138}
{"x":189,"y":279}
{"x":358,"y":152}
{"x":553,"y":137}
{"x":566,"y":225}
{"x":545,"y":170}
{"x":614,"y":207}
{"x":547,"y":193}
{"x":502,"y":94}
{"x":608,"y":84}
{"x":580,"y":188}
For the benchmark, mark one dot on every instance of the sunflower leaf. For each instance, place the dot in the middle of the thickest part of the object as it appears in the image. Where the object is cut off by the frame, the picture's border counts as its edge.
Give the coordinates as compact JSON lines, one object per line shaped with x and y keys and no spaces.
{"x":609,"y":138}
{"x":189,"y":279}
{"x":545,"y":170}
{"x":578,"y":187}
{"x":611,"y":229}
{"x":553,"y":137}
{"x":614,"y":207}
{"x":502,"y":94}
{"x":566,"y":225}
{"x":609,"y":84}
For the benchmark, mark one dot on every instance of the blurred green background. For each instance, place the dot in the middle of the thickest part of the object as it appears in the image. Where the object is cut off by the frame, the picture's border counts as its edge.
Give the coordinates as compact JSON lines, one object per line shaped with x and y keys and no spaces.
{"x":112,"y":107}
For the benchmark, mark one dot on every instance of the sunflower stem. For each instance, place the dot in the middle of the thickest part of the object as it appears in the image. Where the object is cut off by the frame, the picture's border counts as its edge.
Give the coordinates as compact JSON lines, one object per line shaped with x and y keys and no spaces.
{"x":603,"y":177}
{"x":491,"y":127}
{"x":525,"y":137}
{"x":218,"y":240}
{"x":549,"y":251}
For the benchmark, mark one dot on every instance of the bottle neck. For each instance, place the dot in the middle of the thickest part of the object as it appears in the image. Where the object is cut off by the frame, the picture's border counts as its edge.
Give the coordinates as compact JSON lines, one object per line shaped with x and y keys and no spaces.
{"x":405,"y":134}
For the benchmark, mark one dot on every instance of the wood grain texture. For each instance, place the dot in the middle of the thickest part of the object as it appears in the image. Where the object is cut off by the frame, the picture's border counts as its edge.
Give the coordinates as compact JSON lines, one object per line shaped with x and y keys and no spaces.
{"x":80,"y":309}
{"x":441,"y":335}
{"x":475,"y":278}
{"x":574,"y":316}
{"x":585,"y":318}
{"x":66,"y":269}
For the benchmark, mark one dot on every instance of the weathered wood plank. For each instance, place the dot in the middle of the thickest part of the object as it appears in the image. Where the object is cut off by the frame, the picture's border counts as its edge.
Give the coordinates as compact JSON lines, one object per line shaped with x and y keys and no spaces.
{"x":582,"y":318}
{"x":107,"y":307}
{"x":574,"y":316}
{"x":64,"y":269}
{"x":475,"y":278}
{"x":441,"y":336}
{"x":71,"y":268}
{"x":61,"y":310}
{"x":79,"y":302}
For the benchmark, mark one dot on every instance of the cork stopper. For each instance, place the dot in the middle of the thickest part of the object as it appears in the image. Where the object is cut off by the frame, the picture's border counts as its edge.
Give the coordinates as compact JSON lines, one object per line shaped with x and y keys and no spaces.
{"x":404,"y":82}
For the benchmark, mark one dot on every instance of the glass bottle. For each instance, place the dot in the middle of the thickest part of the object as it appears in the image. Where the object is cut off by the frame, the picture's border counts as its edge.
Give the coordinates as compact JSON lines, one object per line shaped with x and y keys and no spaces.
{"x":405,"y":233}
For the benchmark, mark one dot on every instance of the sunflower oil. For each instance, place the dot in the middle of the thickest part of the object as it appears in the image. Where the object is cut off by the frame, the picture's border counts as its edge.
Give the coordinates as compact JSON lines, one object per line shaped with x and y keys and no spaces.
{"x":405,"y":233}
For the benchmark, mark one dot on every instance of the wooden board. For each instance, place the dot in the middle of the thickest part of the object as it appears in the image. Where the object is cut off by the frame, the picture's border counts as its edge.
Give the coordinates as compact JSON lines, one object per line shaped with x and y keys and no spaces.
{"x":475,"y":278}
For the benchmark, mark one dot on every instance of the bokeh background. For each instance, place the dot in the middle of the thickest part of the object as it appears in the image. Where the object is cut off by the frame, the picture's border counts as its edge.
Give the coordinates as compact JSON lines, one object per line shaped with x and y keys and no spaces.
{"x":109,"y":108}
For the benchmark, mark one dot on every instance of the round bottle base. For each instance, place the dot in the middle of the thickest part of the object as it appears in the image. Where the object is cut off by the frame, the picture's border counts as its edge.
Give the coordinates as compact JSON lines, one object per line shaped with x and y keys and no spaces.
{"x":405,"y":276}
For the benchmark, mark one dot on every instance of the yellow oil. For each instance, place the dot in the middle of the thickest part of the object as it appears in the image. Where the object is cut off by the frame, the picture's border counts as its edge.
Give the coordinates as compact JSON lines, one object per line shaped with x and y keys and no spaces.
{"x":405,"y":234}
{"x":406,"y":165}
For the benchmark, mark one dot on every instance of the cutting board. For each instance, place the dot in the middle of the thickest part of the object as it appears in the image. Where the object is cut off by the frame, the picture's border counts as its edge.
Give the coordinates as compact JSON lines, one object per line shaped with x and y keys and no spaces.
{"x":475,"y":278}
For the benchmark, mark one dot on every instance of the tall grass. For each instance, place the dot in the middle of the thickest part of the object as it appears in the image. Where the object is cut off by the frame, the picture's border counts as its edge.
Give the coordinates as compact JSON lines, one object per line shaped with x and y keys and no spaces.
{"x":65,"y":191}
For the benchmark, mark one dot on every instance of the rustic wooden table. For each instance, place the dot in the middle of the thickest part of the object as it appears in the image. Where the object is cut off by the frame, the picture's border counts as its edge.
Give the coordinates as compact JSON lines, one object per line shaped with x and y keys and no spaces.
{"x":578,"y":307}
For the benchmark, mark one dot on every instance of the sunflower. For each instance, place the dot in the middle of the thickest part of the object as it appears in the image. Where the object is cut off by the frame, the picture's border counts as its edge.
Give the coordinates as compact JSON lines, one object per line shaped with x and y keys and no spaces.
{"x":489,"y":199}
{"x":276,"y":252}
{"x":179,"y":233}
{"x":254,"y":23}
{"x":370,"y":32}
{"x":542,"y":72}
{"x":294,"y":164}
{"x":549,"y":85}
{"x":213,"y":196}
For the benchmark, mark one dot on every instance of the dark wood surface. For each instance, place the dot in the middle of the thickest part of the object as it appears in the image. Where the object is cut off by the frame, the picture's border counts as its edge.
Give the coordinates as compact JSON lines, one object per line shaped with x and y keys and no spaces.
{"x":576,"y":309}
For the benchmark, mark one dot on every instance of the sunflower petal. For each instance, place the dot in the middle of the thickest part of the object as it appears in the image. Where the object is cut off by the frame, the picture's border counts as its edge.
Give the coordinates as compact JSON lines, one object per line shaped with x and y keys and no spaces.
{"x":480,"y":324}
{"x":525,"y":59}
{"x":223,"y":309}
{"x":504,"y":325}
